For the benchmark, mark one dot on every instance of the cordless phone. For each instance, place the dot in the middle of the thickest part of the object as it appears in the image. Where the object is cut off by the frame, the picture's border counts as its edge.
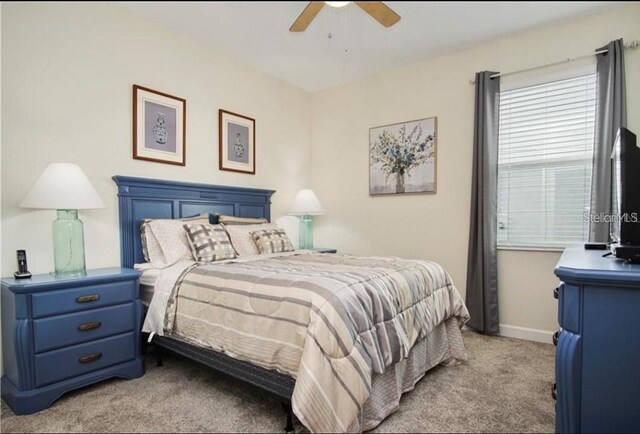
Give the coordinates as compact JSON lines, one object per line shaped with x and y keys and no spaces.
{"x":23,"y":270}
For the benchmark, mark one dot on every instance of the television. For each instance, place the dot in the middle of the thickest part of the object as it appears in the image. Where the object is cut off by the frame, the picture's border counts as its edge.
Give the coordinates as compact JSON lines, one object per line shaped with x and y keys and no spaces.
{"x":625,"y":221}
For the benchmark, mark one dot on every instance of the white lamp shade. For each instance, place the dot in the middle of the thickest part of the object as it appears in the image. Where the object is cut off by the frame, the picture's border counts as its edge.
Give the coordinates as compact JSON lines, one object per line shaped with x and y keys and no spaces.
{"x":62,"y":186}
{"x":306,"y":203}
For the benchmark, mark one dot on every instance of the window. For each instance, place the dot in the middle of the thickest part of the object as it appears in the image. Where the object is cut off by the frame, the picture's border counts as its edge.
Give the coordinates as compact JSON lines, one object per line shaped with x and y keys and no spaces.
{"x":545,"y":141}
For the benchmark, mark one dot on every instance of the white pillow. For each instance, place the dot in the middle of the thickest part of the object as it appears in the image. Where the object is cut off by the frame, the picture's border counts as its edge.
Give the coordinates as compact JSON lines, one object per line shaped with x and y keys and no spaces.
{"x":166,"y":240}
{"x":241,"y":237}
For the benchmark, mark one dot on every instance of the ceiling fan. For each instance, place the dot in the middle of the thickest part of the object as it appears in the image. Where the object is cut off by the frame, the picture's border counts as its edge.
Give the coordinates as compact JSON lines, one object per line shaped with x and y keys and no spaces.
{"x":378,"y":10}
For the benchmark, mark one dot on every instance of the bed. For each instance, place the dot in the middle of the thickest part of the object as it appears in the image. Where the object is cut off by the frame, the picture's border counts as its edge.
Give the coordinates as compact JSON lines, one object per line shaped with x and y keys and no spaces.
{"x":344,"y":370}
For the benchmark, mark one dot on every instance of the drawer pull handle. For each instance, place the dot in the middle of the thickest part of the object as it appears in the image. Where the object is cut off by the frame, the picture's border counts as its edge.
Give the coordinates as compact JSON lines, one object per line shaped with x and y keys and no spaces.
{"x":89,"y":326}
{"x":90,"y":358}
{"x":556,"y":292}
{"x":556,"y":335}
{"x":554,"y":393}
{"x":88,"y":298}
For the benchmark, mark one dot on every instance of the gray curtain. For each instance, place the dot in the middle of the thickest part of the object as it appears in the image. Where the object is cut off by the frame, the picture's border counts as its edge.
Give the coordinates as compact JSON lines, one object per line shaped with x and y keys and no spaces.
{"x":611,"y":114}
{"x":482,"y":266}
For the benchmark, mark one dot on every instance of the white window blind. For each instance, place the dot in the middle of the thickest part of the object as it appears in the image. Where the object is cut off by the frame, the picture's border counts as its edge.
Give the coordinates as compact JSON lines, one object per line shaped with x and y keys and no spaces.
{"x":546,"y":136}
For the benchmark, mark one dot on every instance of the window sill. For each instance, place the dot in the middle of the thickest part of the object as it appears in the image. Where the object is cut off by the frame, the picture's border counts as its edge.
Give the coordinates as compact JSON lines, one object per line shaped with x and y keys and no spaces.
{"x":533,"y":249}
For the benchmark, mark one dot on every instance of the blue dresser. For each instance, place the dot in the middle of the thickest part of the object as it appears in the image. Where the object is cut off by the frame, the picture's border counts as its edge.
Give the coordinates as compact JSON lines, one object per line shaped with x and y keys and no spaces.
{"x":598,"y":346}
{"x":62,"y":334}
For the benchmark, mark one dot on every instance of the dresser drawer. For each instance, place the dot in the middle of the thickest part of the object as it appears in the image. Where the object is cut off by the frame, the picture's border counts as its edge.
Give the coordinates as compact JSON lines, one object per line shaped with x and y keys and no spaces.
{"x":69,"y":362}
{"x":82,"y":298}
{"x":61,"y":331}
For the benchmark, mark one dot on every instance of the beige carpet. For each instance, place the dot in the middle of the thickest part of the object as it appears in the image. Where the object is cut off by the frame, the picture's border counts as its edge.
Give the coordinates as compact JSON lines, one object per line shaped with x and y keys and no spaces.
{"x":505,"y":387}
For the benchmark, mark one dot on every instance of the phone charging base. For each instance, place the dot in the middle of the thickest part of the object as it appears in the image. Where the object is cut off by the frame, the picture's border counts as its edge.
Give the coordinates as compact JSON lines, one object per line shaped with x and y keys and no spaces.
{"x":19,"y":275}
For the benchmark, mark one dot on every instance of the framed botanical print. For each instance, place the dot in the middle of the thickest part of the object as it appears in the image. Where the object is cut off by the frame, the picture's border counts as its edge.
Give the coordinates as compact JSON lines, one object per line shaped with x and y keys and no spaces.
{"x":237,"y":142}
{"x":402,"y":157}
{"x":159,"y":126}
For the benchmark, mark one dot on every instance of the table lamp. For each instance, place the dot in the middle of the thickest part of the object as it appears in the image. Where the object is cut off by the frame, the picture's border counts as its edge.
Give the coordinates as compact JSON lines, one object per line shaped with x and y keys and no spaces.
{"x":306,"y":204}
{"x":65,"y":188}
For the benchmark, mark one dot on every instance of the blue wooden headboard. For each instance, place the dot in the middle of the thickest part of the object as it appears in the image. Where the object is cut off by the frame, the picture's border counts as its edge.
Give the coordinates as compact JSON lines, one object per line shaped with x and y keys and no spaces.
{"x":144,"y":198}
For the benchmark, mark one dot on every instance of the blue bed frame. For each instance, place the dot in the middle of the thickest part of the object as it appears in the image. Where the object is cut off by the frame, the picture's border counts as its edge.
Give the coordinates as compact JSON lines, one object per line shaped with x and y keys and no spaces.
{"x":141,"y":198}
{"x":144,"y":198}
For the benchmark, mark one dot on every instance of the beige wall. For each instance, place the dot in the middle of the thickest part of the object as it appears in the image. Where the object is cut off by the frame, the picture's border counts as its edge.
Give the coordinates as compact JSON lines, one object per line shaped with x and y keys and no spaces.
{"x":67,"y":75}
{"x":436,"y":226}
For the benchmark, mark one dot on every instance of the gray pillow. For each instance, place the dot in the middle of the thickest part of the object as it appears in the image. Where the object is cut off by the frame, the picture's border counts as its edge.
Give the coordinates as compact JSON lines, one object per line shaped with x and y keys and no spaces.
{"x":233,"y":220}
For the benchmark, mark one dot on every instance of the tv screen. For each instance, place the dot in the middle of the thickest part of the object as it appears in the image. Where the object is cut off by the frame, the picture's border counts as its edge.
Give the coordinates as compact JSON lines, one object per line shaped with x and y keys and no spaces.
{"x":625,"y":227}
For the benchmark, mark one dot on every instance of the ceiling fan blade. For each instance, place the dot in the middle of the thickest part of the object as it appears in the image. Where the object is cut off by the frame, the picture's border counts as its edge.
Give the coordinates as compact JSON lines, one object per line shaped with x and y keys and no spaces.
{"x":307,"y":15}
{"x":380,"y":12}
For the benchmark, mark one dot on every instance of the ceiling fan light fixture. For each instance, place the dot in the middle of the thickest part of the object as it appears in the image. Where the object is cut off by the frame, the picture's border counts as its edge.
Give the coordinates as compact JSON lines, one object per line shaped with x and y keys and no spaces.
{"x":377,"y":10}
{"x":337,"y":4}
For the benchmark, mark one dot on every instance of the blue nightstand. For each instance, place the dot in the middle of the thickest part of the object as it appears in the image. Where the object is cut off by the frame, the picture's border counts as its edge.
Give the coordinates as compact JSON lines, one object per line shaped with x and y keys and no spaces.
{"x":59,"y":334}
{"x":324,"y":250}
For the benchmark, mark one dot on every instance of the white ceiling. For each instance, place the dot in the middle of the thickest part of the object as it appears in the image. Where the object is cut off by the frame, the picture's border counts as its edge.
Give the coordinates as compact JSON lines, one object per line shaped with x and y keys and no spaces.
{"x":257,"y":33}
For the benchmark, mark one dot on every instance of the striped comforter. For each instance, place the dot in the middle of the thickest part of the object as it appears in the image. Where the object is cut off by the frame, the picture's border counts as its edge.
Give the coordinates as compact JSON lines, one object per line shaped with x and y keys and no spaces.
{"x":330,"y":321}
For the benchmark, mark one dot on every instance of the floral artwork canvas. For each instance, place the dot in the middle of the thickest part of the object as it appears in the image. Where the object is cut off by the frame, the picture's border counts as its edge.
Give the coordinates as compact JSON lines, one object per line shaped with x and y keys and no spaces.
{"x":402,"y":157}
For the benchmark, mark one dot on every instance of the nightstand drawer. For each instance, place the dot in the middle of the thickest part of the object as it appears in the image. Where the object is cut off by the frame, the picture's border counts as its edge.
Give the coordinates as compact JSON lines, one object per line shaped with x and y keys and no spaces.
{"x":84,"y":358}
{"x":61,"y":331}
{"x":82,"y":298}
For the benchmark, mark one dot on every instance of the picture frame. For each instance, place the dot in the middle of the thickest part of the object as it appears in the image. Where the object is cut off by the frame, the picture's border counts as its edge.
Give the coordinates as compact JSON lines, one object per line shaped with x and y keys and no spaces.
{"x":159,"y":126}
{"x":403,"y":157}
{"x":237,"y":142}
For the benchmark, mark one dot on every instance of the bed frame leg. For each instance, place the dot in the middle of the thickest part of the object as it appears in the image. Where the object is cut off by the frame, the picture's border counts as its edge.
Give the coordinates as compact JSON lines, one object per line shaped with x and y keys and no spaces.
{"x":289,"y":413}
{"x":158,"y":356}
{"x":144,"y":345}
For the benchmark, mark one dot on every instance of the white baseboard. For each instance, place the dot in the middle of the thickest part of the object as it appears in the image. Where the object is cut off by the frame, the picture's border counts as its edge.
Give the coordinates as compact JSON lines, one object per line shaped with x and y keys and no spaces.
{"x":527,"y":334}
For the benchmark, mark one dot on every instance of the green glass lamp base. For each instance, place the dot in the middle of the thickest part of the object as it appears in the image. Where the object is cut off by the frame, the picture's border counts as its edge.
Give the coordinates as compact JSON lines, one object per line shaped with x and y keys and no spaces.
{"x":69,"y":274}
{"x":68,"y":245}
{"x":306,"y":232}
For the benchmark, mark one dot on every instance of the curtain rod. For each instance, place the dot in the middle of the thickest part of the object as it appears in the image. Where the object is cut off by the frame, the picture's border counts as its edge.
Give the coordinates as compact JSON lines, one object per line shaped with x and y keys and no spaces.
{"x":631,"y":45}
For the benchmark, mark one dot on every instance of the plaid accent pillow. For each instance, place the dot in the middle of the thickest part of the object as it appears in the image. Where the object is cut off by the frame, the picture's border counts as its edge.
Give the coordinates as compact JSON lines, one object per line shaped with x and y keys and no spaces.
{"x":209,"y":242}
{"x":272,"y":241}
